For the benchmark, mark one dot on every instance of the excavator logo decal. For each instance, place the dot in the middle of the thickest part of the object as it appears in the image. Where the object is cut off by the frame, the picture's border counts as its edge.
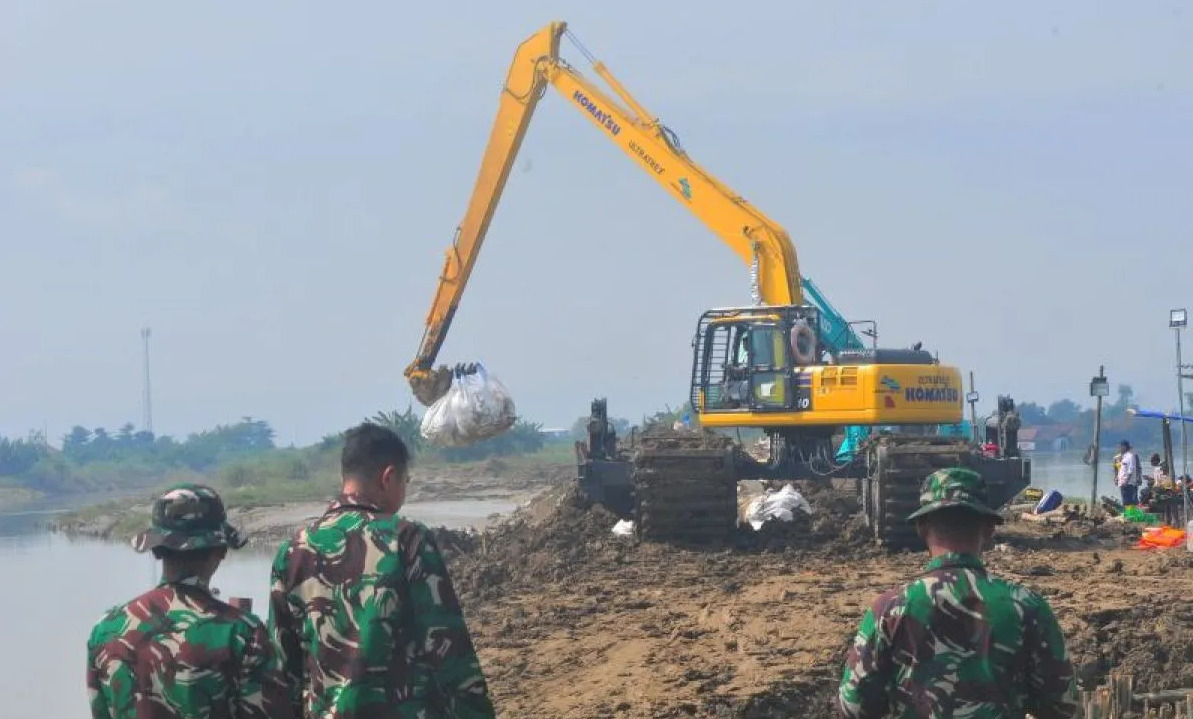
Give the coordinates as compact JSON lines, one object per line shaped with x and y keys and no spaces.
{"x":601,"y":116}
{"x":890,"y":383}
{"x":948,"y":395}
{"x":685,"y":188}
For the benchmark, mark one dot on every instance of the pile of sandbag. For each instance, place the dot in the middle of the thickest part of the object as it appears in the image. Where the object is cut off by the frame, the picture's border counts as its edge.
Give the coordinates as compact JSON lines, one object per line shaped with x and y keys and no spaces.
{"x":781,"y":504}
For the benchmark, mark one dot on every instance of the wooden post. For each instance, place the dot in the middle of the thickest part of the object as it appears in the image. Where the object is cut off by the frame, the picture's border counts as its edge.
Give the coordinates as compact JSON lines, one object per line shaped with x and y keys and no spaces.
{"x":1120,"y":694}
{"x":1097,"y":704}
{"x":1189,"y":705}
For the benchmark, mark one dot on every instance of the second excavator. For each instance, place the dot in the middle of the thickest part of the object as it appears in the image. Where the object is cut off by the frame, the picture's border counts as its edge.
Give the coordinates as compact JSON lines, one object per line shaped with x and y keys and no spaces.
{"x":772,"y":365}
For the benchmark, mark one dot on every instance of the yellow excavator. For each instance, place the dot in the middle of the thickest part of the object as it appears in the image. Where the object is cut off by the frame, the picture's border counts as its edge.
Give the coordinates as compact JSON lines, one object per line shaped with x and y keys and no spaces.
{"x":766,"y":366}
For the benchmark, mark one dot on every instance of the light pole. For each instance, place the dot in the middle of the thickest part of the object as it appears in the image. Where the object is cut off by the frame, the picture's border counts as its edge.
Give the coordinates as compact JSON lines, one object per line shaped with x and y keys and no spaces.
{"x":1099,"y":387}
{"x":1178,"y":320}
{"x":148,"y":400}
{"x":972,"y":398}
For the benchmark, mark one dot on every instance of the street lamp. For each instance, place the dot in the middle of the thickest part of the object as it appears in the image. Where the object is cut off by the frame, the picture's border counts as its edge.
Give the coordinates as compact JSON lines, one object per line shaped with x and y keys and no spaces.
{"x":1099,"y":387}
{"x":1178,"y":320}
{"x":972,"y":398}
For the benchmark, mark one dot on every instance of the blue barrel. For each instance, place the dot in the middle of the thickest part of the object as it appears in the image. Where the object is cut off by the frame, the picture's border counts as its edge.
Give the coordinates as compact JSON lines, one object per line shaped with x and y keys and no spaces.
{"x":1050,"y":501}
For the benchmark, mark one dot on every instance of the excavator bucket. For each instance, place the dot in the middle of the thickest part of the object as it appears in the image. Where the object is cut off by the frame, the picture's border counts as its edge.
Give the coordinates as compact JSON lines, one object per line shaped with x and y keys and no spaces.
{"x":429,"y":386}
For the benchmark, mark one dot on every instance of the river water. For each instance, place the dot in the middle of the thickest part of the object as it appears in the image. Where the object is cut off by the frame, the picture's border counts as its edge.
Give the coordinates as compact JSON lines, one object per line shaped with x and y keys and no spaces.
{"x":55,"y":588}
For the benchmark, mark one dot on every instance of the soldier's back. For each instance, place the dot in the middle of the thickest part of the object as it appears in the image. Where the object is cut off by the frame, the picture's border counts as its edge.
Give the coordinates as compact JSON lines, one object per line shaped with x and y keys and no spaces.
{"x":368,"y":621}
{"x":957,"y":641}
{"x":177,"y":652}
{"x":345,"y":570}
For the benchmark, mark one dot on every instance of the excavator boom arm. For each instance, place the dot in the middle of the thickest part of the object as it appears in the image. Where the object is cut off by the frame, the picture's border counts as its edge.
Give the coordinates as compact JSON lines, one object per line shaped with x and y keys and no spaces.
{"x":756,"y":239}
{"x":523,"y":88}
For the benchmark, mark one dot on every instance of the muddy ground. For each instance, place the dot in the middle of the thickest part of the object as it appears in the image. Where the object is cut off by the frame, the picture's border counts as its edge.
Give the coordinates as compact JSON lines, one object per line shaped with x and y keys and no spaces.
{"x":572,"y":621}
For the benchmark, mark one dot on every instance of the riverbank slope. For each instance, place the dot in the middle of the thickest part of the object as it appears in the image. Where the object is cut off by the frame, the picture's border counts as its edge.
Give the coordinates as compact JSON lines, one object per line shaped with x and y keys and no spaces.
{"x":267,"y":517}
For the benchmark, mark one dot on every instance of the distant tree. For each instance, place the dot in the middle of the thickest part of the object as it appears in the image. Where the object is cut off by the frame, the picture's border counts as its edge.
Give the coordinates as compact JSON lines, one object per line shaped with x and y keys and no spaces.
{"x":1031,"y":414}
{"x":204,"y":449}
{"x":1126,"y":396}
{"x":74,"y":442}
{"x":406,"y":425}
{"x":20,"y":455}
{"x":522,"y":438}
{"x":1064,"y":411}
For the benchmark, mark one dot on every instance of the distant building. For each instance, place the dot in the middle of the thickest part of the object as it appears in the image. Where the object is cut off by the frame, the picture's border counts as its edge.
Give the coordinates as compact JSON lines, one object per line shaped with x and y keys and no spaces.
{"x":1046,"y":438}
{"x":556,"y":433}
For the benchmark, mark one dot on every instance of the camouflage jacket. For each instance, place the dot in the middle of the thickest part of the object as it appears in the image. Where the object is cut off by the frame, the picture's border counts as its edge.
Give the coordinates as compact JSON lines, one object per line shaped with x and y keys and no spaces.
{"x":958,"y":642}
{"x":178,"y":652}
{"x":368,"y":621}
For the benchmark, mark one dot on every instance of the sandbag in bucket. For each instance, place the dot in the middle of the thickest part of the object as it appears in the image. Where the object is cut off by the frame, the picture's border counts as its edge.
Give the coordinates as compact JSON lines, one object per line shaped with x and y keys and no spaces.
{"x":476,"y":407}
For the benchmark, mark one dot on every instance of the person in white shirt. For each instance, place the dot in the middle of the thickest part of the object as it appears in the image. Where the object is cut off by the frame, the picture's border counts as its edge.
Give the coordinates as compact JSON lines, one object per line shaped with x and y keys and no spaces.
{"x":1129,"y":475}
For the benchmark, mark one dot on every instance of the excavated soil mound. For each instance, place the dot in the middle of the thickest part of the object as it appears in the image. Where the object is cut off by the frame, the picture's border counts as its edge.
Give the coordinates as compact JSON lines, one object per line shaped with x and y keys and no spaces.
{"x":562,"y":532}
{"x":540,"y":543}
{"x":1152,"y":638}
{"x":573,"y":621}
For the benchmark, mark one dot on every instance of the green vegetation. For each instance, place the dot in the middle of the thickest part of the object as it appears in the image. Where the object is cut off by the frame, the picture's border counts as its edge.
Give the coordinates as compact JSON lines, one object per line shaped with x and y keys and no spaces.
{"x":241,"y":458}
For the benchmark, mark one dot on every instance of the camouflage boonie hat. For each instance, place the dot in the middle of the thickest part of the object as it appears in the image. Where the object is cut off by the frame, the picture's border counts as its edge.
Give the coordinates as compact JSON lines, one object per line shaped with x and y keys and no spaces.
{"x":955,"y":487}
{"x":188,"y":516}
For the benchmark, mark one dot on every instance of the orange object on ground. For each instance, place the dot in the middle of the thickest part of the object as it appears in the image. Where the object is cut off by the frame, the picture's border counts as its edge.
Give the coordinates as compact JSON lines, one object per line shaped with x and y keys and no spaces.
{"x":1161,"y":538}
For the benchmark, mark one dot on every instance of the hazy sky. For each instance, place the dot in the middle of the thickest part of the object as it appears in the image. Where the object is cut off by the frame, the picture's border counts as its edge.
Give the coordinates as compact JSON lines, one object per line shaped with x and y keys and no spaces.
{"x":271,"y":186}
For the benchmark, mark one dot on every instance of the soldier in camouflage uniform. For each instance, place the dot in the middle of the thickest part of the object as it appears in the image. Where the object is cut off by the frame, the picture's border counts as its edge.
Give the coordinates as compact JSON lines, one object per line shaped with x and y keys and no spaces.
{"x":957,"y":641}
{"x":177,"y":652}
{"x":362,"y":606}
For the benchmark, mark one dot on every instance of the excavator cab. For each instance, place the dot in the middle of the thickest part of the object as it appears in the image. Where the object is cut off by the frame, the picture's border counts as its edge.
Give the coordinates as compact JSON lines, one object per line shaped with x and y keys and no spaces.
{"x":752,"y":359}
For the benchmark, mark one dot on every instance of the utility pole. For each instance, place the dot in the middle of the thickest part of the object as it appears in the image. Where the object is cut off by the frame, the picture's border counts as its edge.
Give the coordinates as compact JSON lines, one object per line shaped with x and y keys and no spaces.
{"x":147,"y":400}
{"x":1178,"y":320}
{"x":1099,"y":387}
{"x":972,"y":398}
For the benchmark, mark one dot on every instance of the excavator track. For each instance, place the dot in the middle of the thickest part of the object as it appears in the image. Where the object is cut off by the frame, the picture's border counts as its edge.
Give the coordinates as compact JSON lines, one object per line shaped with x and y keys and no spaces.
{"x":897,"y":468}
{"x":686,"y":487}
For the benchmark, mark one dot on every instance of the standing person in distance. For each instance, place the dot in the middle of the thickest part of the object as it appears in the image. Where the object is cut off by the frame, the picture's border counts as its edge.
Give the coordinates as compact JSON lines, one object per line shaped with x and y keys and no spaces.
{"x":177,"y":652}
{"x":362,"y":606}
{"x":956,"y":641}
{"x":1129,"y":474}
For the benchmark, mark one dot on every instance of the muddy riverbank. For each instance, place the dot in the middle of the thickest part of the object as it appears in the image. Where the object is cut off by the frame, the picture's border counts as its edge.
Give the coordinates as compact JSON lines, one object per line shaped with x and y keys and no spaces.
{"x":435,"y":491}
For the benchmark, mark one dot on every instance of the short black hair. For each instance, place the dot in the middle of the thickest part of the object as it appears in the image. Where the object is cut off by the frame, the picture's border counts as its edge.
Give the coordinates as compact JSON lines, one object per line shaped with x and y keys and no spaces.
{"x":956,"y":523}
{"x":370,"y":448}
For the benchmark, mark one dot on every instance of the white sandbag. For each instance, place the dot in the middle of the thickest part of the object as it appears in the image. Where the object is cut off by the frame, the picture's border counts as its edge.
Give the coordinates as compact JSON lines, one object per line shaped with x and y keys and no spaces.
{"x":780,"y":505}
{"x":476,"y":407}
{"x":624,"y":528}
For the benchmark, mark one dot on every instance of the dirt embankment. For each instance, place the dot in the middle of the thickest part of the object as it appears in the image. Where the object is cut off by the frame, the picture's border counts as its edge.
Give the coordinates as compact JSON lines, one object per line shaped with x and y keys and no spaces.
{"x":267,"y":521}
{"x":572,"y":621}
